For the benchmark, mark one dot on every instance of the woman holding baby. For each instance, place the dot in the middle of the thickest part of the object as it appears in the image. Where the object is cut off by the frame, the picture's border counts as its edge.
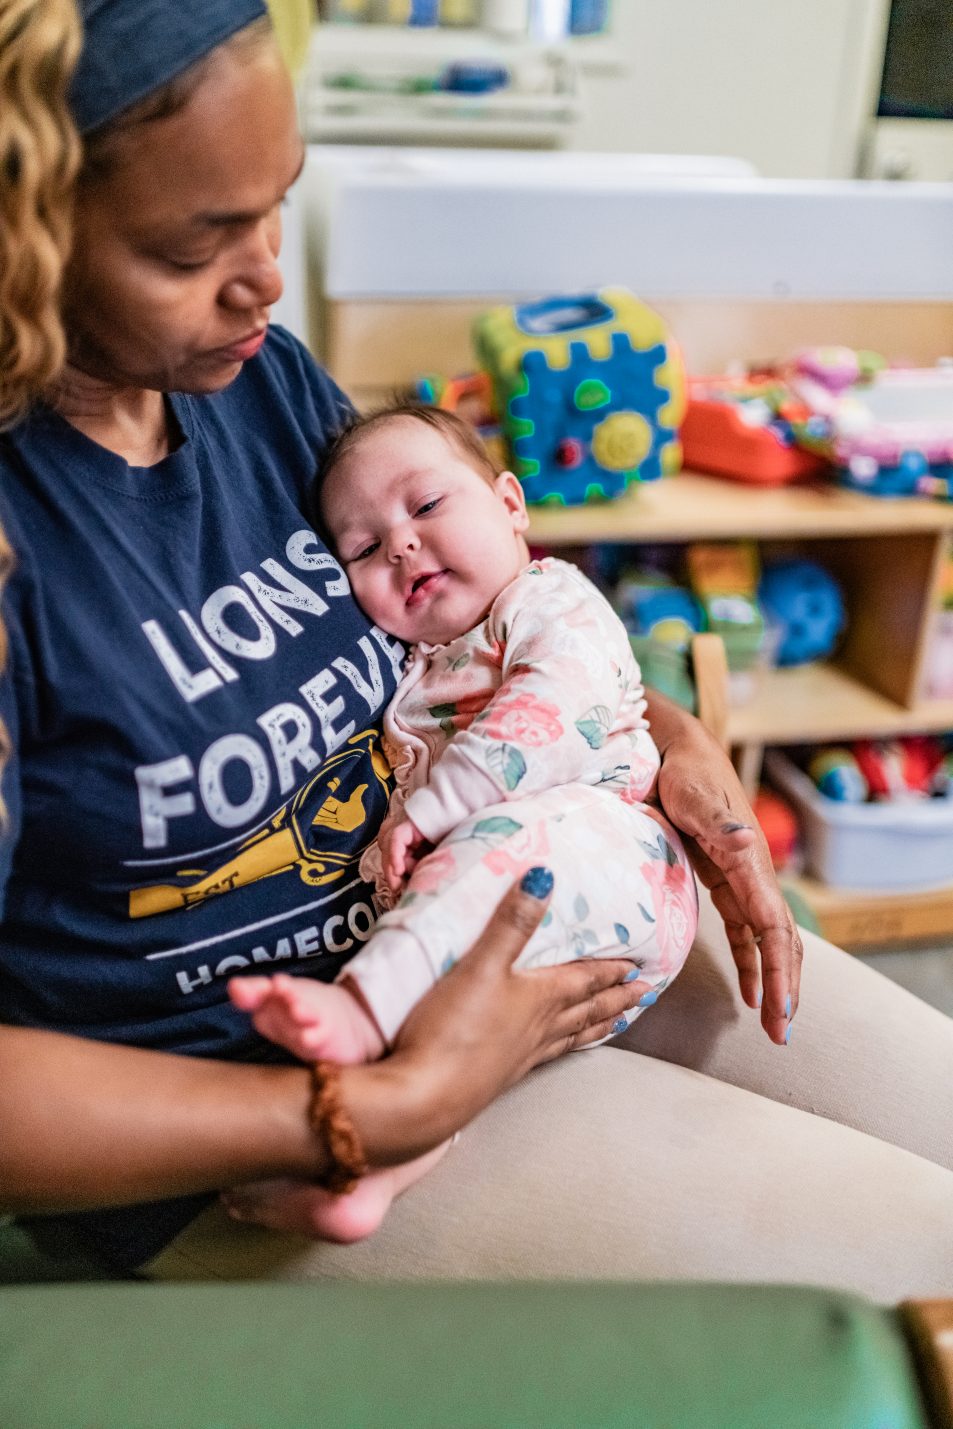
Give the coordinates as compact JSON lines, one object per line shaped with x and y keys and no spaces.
{"x":193,"y":699}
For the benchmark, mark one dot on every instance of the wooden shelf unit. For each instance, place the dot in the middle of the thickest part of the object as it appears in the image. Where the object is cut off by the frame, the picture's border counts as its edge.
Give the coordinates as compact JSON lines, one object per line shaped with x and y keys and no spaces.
{"x":861,"y":919}
{"x":888,"y":556}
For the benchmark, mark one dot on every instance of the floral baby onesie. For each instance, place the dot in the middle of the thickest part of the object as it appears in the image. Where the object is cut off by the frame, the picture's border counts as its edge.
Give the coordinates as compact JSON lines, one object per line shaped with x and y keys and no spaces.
{"x":524,"y":741}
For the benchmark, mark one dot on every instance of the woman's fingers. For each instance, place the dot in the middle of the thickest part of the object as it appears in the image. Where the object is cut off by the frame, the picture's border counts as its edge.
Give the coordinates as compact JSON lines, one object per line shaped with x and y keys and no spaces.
{"x":279,"y":1205}
{"x":781,"y":955}
{"x":589,"y":996}
{"x":486,"y":1023}
{"x":730,"y":856}
{"x":760,"y":928}
{"x":597,"y":995}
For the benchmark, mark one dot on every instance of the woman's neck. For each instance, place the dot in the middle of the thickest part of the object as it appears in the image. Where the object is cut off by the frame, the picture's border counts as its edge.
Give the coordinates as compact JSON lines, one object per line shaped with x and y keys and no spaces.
{"x":133,"y":422}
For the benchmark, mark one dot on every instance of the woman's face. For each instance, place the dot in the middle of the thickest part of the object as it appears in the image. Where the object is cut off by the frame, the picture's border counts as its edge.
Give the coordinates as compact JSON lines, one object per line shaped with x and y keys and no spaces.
{"x":174,"y":265}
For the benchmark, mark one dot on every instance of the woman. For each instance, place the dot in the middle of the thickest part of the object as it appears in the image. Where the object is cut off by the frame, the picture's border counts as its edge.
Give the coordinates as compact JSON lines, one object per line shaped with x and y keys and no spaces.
{"x":194,"y":701}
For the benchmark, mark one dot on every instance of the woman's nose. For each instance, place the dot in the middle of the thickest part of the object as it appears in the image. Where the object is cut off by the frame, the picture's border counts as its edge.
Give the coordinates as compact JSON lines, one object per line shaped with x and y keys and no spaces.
{"x":258,"y":283}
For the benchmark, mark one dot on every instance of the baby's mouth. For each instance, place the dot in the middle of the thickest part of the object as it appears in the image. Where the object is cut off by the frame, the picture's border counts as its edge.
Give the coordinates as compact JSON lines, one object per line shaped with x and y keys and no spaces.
{"x":421,"y":585}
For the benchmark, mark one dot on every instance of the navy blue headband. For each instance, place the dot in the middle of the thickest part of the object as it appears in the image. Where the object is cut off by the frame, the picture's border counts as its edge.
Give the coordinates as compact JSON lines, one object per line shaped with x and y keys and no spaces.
{"x":132,"y":47}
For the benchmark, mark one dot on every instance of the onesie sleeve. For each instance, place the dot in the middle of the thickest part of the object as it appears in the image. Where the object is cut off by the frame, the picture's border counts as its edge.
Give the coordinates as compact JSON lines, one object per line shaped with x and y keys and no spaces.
{"x":569,"y":682}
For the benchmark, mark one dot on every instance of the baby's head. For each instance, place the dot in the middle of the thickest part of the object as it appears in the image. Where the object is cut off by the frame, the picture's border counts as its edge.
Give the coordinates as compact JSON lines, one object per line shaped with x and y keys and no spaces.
{"x":427,"y":529}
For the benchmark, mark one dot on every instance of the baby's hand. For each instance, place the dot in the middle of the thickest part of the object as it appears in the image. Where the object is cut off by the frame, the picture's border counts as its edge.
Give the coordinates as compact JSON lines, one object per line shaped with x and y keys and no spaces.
{"x":401,"y":852}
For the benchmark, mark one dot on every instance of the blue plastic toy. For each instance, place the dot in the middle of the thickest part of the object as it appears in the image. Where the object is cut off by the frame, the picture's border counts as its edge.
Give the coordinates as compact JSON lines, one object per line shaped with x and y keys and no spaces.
{"x":838,"y":776}
{"x":650,"y":604}
{"x":590,"y":393}
{"x":588,"y":17}
{"x":806,"y":602}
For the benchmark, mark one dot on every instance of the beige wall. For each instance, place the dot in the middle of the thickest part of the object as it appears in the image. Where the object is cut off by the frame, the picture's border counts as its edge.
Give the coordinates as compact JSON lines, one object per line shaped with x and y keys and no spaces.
{"x":783,"y":83}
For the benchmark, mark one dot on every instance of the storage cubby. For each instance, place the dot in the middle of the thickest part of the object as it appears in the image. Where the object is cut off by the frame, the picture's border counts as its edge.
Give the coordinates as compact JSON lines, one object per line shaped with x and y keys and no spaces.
{"x":888,"y":556}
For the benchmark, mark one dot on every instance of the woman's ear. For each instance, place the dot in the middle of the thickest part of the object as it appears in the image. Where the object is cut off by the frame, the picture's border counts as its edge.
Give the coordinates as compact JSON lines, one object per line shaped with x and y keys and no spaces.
{"x":509,"y":489}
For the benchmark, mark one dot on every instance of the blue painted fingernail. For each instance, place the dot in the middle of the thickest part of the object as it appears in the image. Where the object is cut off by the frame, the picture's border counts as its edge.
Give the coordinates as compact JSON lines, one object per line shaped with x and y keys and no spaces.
{"x":537,"y":882}
{"x":787,"y":1006}
{"x":632,"y":976}
{"x":787,"y":1035}
{"x":621,"y":1025}
{"x":648,"y":998}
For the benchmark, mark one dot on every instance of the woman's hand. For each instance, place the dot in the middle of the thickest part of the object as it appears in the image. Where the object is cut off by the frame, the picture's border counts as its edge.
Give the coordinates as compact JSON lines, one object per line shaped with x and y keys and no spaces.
{"x":487,"y":1023}
{"x":701,"y":795}
{"x":476,"y":1033}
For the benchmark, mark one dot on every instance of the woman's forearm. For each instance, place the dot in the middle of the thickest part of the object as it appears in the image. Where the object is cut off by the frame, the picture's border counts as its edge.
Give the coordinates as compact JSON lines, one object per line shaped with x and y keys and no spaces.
{"x":87,"y":1124}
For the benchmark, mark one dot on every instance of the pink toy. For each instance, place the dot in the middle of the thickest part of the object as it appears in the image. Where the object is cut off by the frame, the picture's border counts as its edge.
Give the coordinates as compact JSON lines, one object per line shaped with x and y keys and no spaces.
{"x":889,"y":429}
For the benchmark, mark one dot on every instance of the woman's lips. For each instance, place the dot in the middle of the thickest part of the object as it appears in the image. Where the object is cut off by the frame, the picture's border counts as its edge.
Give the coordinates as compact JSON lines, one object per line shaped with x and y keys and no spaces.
{"x":424,"y":587}
{"x":242,"y":351}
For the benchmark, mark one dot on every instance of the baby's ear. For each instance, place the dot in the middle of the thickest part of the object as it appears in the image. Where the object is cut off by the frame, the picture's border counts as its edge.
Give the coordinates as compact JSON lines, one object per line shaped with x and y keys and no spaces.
{"x":509,"y":489}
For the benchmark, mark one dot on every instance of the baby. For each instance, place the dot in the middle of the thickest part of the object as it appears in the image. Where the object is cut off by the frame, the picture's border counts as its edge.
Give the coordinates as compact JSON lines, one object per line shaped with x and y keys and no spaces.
{"x":518,"y":740}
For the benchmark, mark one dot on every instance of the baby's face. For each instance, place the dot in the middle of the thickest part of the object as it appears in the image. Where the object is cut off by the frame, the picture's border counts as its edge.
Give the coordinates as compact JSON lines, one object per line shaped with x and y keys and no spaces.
{"x":427,"y":542}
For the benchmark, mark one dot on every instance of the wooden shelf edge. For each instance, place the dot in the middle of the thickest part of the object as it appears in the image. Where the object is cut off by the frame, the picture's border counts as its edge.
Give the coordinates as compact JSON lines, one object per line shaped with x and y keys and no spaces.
{"x":821,"y":703}
{"x":691,"y":506}
{"x":854,"y":918}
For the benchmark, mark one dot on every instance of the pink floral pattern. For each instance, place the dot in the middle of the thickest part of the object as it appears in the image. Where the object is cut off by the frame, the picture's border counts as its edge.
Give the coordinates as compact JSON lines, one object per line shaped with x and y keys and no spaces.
{"x":675,"y":908}
{"x":433,"y":871}
{"x":536,"y":720}
{"x":520,"y":852}
{"x":523,"y":719}
{"x":467,"y":707}
{"x":642,"y":773}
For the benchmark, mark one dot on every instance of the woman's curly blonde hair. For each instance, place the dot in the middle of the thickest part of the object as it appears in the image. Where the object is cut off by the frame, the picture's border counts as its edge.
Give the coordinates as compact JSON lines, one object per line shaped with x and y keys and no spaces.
{"x":39,"y":158}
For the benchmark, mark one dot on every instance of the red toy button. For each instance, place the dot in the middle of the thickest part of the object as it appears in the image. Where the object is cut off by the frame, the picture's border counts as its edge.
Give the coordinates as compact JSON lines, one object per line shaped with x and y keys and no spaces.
{"x":569,"y":453}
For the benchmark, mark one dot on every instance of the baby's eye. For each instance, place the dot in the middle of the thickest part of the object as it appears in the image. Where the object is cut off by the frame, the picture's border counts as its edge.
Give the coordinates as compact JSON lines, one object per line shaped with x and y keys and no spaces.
{"x":367,"y":550}
{"x":427,"y":507}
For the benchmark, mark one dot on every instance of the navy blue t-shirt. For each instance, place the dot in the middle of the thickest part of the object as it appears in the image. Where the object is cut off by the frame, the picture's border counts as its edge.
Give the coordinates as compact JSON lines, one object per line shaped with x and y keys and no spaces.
{"x":193,"y":699}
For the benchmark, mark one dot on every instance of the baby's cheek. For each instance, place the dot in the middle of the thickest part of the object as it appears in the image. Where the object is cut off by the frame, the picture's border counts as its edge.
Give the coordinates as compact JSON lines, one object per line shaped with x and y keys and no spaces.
{"x":371,"y":594}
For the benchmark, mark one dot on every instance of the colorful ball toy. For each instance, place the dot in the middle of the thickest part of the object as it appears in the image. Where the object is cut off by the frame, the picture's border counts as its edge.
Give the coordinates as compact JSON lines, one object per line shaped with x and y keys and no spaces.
{"x":838,"y":776}
{"x":590,"y":392}
{"x":779,"y":825}
{"x":805,"y":601}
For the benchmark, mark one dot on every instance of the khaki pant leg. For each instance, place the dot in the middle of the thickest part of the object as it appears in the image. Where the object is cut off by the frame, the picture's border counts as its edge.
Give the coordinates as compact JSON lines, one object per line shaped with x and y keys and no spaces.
{"x":617,"y":1166}
{"x":863,"y":1051}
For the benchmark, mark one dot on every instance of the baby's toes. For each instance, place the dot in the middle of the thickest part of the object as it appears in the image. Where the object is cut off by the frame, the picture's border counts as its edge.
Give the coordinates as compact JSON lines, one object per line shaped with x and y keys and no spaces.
{"x":248,"y":993}
{"x":272,"y":1021}
{"x":311,"y":1040}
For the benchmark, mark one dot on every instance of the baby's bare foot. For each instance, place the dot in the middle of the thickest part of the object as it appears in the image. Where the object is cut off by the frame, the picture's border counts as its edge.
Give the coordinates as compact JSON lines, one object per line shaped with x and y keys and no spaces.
{"x":357,"y":1215}
{"x":314,"y":1020}
{"x":344,"y":1219}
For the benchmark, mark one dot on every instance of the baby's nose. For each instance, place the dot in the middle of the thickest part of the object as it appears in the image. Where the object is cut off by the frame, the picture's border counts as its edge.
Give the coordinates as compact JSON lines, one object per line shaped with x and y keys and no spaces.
{"x":403,"y":540}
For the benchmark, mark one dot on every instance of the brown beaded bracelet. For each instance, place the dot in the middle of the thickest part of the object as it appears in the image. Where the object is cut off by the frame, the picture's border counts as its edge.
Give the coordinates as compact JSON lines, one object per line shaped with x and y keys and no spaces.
{"x":331,"y":1123}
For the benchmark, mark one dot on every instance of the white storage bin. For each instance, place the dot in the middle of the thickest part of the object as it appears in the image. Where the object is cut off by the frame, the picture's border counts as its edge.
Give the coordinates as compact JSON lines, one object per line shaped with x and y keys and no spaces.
{"x":883,"y":847}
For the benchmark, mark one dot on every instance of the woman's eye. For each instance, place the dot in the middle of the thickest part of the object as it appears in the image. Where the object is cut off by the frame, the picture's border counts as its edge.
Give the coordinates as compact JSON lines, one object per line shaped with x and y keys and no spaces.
{"x":187,"y":265}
